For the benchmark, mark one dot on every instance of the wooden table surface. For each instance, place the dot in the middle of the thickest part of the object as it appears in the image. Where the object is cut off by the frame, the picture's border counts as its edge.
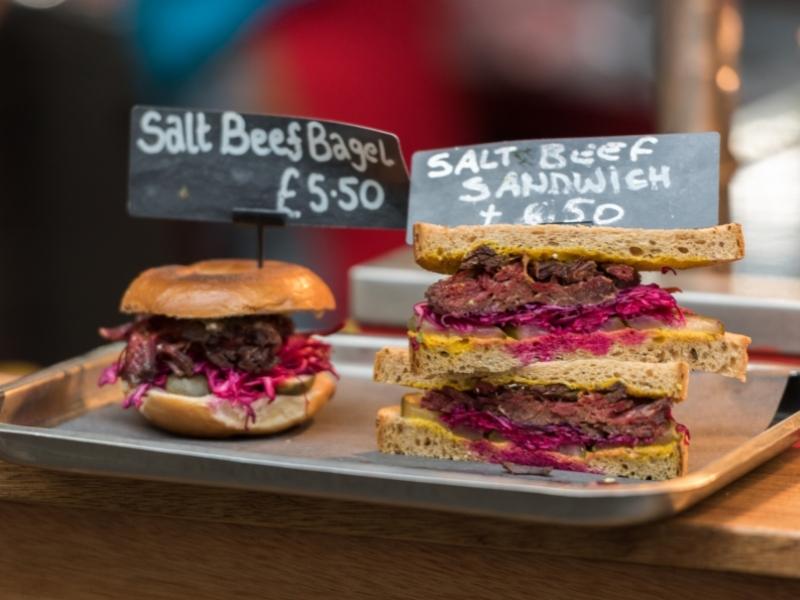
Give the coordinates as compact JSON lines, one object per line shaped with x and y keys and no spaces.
{"x":76,"y":536}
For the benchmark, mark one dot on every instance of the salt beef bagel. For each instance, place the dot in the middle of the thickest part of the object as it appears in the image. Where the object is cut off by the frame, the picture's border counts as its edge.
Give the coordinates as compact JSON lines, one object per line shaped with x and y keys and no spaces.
{"x":215,"y":289}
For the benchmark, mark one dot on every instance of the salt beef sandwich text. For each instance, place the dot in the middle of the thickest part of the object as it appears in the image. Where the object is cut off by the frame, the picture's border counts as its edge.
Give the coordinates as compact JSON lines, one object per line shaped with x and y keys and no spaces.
{"x":213,"y":352}
{"x":523,"y":294}
{"x":593,"y":415}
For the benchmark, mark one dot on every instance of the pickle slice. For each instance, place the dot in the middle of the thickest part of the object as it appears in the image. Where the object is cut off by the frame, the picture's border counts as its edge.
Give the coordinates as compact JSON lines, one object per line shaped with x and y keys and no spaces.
{"x":187,"y":386}
{"x":411,"y":409}
{"x":295,"y":385}
{"x":496,"y":437}
{"x":704,"y":324}
{"x":523,"y":332}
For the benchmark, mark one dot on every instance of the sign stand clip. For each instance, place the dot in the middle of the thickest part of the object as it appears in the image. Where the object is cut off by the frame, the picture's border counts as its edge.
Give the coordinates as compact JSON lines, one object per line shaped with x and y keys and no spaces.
{"x":260,"y":217}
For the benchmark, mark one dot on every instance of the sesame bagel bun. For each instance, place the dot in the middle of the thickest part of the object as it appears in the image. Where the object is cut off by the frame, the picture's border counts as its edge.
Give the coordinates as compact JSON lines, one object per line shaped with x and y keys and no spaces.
{"x":226,"y":288}
{"x":212,"y":417}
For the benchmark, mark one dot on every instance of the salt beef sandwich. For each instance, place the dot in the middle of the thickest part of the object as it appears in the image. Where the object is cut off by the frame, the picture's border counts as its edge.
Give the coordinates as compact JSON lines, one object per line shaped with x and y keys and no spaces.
{"x":592,"y":415}
{"x":213,"y":352}
{"x":520,"y":294}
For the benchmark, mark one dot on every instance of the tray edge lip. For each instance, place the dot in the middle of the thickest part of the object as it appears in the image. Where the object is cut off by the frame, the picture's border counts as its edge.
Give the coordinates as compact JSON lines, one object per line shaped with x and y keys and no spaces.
{"x":645,"y":489}
{"x":660,"y":506}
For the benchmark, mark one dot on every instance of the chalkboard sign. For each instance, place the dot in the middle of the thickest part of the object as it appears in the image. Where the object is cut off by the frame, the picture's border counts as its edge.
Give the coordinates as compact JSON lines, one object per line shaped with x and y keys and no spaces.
{"x":205,"y":165}
{"x":653,"y":181}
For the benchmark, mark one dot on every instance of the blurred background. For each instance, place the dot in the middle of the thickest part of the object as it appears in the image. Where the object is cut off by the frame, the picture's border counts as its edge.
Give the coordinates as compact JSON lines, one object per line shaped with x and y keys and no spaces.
{"x":435,"y":72}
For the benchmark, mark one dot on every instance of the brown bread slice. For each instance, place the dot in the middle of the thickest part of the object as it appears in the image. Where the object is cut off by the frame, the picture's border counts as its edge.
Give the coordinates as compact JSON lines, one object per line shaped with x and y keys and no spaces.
{"x":641,"y":379}
{"x":725,"y":354}
{"x":441,"y":249}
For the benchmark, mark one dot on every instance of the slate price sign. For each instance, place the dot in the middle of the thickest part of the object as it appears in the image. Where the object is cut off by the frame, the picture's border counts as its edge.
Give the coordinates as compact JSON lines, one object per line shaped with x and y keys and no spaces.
{"x":201,"y":165}
{"x":657,"y":181}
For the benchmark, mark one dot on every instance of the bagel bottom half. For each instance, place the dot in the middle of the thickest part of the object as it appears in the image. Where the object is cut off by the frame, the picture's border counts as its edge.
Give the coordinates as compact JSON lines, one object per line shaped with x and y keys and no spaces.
{"x":213,"y":417}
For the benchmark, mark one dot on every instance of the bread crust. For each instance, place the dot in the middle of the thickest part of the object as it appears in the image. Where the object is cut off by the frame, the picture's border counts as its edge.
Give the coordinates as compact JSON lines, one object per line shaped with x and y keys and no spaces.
{"x":417,"y":437}
{"x":441,"y":249}
{"x":725,"y":354}
{"x":641,"y":379}
{"x":226,"y":288}
{"x":212,"y":417}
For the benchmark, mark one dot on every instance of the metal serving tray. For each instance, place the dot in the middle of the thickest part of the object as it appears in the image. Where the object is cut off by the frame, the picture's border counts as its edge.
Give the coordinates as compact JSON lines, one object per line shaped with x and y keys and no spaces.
{"x":59,"y":419}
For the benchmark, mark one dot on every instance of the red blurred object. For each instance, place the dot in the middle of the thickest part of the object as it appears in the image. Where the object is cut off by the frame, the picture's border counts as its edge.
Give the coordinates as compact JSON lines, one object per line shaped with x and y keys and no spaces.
{"x":380,"y":64}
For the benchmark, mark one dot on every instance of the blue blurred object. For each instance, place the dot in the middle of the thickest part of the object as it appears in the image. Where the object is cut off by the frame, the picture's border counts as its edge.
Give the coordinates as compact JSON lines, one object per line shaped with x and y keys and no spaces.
{"x":174,"y":38}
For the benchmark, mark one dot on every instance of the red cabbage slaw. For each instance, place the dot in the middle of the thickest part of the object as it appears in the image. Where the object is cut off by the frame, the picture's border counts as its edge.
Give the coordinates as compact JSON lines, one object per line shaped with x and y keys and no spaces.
{"x":640,"y":301}
{"x":300,"y":355}
{"x":549,"y":437}
{"x":523,"y":456}
{"x":551,"y":346}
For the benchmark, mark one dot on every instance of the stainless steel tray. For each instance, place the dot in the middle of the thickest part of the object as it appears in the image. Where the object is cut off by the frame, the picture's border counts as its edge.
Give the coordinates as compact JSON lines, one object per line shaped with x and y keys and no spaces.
{"x":59,"y":419}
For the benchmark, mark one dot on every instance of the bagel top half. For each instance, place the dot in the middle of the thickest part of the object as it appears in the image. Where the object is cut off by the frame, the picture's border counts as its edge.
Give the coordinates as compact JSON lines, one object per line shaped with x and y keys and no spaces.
{"x":226,"y":288}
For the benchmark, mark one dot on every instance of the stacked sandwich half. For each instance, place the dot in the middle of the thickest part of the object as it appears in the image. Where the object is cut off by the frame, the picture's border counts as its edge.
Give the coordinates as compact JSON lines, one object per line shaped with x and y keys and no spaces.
{"x":543,"y":347}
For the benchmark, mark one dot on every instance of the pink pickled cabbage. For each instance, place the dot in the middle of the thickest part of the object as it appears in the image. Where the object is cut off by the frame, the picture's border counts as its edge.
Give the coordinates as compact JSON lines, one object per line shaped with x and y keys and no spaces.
{"x":300,"y":355}
{"x":523,"y":456}
{"x":639,"y":301}
{"x":134,"y":396}
{"x":684,"y":431}
{"x":551,"y":346}
{"x":549,"y":437}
